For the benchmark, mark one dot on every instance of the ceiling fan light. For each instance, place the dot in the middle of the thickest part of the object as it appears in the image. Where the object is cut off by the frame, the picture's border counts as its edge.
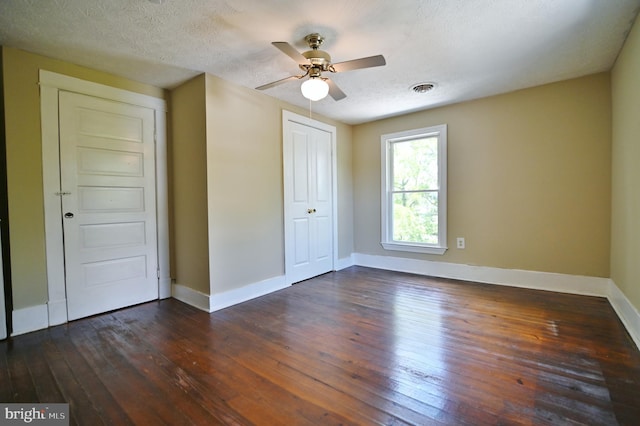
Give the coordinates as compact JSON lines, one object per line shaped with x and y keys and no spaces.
{"x":314,"y":89}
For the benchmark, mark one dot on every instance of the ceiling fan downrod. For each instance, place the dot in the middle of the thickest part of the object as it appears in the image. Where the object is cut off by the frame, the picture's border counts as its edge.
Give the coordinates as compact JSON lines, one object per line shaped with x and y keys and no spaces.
{"x":314,"y":40}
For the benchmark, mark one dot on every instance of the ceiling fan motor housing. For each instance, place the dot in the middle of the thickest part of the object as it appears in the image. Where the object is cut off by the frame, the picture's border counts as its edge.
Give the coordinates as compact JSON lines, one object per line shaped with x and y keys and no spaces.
{"x":318,"y":57}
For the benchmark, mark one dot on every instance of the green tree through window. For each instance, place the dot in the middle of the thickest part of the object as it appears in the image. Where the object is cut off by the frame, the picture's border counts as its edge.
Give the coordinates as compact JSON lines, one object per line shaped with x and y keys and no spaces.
{"x":415,"y":190}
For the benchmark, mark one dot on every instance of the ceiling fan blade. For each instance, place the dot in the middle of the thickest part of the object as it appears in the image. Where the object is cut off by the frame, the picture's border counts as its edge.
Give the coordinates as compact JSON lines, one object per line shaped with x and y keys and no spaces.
{"x":371,"y":61}
{"x":289,"y":50}
{"x":334,"y":91}
{"x":277,"y":82}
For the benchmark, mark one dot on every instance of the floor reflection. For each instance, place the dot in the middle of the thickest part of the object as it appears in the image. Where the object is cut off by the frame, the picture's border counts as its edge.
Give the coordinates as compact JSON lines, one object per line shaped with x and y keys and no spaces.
{"x":420,"y":365}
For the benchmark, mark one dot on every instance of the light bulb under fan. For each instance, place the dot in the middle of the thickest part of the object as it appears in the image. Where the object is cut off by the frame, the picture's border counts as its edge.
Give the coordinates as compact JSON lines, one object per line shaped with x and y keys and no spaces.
{"x":314,"y":89}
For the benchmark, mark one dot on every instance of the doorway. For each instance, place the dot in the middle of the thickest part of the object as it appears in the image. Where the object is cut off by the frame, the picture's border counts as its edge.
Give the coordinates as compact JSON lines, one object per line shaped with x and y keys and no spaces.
{"x":104,"y":168}
{"x":309,"y":195}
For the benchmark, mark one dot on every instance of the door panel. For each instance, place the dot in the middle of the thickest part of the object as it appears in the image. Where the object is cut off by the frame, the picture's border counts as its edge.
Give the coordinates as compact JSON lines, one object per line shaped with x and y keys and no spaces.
{"x":322,"y":169}
{"x":301,"y":238}
{"x":308,"y":202}
{"x":111,"y":235}
{"x":323,"y":237}
{"x":300,"y":168}
{"x":92,"y":199}
{"x":93,"y":161}
{"x":107,"y":163}
{"x":114,"y":271}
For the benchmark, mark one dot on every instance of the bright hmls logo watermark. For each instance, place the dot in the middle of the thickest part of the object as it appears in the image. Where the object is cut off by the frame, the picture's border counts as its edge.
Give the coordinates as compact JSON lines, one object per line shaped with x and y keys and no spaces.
{"x":39,"y":414}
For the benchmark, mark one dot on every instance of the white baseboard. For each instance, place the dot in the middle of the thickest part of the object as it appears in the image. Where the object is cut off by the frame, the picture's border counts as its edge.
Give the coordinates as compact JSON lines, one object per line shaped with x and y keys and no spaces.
{"x":164,"y":288}
{"x":563,"y":283}
{"x":30,"y":319}
{"x":248,"y":292}
{"x":57,"y":312}
{"x":344,"y":263}
{"x":215,"y":302}
{"x":627,"y":313}
{"x":191,"y":297}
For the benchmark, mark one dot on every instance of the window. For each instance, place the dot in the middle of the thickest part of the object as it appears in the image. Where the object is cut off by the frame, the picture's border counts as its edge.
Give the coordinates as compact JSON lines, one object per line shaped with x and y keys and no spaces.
{"x":414,"y":190}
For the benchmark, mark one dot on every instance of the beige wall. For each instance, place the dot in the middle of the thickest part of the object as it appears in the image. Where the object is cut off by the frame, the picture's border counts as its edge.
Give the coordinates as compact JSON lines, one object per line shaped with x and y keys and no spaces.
{"x":528,"y":175}
{"x":24,"y":164}
{"x":245,"y":186}
{"x":244,"y":183}
{"x":625,"y":238}
{"x":188,"y":183}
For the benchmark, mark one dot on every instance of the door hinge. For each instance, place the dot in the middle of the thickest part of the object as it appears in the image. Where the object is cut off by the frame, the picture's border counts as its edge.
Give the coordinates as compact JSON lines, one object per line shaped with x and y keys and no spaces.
{"x":158,"y":273}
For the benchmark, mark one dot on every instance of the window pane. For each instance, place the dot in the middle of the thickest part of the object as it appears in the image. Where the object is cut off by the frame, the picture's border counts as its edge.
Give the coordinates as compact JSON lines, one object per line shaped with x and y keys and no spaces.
{"x":415,"y":217}
{"x":415,"y":164}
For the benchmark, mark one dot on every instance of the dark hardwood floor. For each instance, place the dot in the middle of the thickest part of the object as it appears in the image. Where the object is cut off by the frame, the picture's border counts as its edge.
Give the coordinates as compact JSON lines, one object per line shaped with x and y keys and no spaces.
{"x":360,"y":346}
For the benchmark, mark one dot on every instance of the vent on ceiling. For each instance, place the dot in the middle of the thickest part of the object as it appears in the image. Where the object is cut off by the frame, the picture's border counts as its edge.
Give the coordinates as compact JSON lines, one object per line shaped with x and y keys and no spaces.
{"x":422,"y":87}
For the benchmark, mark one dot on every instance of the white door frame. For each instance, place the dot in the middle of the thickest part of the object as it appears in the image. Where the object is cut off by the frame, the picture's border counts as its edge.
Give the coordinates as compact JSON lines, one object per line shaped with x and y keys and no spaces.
{"x":50,"y":84}
{"x":287,"y":117}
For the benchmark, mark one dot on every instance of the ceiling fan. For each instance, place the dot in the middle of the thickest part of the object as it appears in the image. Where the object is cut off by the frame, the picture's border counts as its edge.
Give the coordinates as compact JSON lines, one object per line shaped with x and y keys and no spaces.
{"x":313,"y":63}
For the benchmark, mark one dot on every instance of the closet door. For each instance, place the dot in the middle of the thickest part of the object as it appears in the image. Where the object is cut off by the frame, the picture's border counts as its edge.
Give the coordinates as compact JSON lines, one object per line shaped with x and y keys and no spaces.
{"x":308,"y":201}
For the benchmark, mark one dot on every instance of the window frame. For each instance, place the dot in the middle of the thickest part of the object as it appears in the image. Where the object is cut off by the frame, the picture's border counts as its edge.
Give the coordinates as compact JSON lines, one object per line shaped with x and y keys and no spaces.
{"x":386,"y":143}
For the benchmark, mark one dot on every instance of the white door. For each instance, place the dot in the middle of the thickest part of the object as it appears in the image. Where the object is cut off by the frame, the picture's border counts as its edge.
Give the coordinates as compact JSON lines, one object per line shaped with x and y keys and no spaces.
{"x":107,"y":167}
{"x":308,"y":201}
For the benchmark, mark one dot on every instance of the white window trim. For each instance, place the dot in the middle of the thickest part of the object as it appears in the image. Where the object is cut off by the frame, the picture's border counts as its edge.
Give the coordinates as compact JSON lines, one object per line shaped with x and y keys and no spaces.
{"x":386,"y":239}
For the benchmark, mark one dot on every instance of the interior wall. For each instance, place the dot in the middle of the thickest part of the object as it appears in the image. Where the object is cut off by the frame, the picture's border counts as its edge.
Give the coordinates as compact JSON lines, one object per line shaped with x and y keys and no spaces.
{"x":188,"y":182}
{"x":245,"y":185}
{"x":529,"y":177}
{"x":24,"y":164}
{"x":625,"y":238}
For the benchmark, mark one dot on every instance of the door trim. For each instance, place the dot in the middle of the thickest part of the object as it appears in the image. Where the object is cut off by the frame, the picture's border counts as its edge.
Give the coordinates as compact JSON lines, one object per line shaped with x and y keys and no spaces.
{"x":50,"y":84}
{"x":287,"y":117}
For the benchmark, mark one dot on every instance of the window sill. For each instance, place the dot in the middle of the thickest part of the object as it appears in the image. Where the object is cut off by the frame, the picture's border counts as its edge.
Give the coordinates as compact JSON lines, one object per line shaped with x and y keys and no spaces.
{"x":414,"y":248}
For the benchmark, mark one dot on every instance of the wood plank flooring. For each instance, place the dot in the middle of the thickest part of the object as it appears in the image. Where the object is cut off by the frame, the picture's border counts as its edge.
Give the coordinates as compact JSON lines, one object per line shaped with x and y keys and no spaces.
{"x":360,"y":346}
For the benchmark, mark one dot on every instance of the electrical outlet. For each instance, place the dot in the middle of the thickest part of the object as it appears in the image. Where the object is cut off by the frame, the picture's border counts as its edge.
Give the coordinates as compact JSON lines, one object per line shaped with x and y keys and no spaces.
{"x":460,"y":243}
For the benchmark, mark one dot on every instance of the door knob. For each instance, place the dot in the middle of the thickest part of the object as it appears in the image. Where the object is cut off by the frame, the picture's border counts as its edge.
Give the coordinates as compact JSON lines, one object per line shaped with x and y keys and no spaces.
{"x":311,"y":211}
{"x":68,"y":215}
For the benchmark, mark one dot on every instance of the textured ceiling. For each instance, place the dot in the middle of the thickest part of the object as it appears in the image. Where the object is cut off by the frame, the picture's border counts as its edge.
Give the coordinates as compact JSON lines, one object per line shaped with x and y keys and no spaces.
{"x":469,"y":48}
